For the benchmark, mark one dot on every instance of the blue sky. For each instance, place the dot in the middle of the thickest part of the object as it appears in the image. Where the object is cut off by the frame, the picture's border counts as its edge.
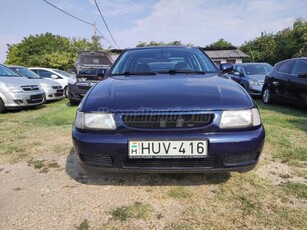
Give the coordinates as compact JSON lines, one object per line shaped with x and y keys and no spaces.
{"x":199,"y":22}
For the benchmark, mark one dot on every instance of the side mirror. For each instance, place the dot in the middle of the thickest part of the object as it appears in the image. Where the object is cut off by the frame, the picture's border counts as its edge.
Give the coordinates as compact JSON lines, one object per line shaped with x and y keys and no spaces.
{"x":226,"y":67}
{"x":302,"y":75}
{"x":101,"y":74}
{"x":53,"y":76}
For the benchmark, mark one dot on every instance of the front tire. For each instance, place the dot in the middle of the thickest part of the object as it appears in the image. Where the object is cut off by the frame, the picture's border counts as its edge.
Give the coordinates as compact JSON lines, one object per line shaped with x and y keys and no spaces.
{"x":2,"y":107}
{"x":66,"y":92}
{"x":74,"y":102}
{"x":267,"y":96}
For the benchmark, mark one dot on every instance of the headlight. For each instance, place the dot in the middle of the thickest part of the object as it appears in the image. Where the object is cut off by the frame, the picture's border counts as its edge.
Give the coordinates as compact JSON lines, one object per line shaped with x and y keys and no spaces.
{"x":240,"y":119}
{"x":95,"y":121}
{"x":72,"y":80}
{"x":14,"y":88}
{"x":253,"y":82}
{"x":45,"y":86}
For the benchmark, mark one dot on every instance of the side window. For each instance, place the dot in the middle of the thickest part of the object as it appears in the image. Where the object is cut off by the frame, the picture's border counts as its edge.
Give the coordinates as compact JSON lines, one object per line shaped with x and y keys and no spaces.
{"x":300,"y":67}
{"x":44,"y":73}
{"x":286,"y":67}
{"x":34,"y":70}
{"x":239,"y":69}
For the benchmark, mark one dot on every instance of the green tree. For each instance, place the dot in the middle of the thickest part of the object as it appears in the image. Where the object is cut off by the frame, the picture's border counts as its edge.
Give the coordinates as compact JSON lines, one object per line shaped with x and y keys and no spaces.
{"x":285,"y":44}
{"x":48,"y":50}
{"x":221,"y":44}
{"x":262,"y":49}
{"x":154,"y":43}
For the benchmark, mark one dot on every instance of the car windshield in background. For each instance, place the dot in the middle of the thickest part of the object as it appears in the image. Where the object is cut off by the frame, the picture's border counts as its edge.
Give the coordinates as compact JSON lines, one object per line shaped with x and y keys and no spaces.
{"x":94,"y":60}
{"x":253,"y":69}
{"x":26,"y":72}
{"x":6,"y":72}
{"x":64,"y":73}
{"x":163,"y":60}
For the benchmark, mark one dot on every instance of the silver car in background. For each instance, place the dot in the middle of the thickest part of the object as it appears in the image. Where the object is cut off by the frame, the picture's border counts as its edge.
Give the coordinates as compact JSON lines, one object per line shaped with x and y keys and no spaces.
{"x":17,"y":91}
{"x":53,"y":90}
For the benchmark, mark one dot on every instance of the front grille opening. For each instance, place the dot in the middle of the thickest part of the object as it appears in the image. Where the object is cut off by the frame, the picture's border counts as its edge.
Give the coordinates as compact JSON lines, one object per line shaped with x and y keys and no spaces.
{"x":232,"y":160}
{"x":167,"y":121}
{"x":30,"y":88}
{"x":208,"y":162}
{"x":35,"y":99}
{"x":97,"y":159}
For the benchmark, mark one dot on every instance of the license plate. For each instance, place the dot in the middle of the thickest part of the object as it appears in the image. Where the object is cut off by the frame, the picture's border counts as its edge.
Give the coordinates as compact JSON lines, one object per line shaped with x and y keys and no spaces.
{"x":168,"y":149}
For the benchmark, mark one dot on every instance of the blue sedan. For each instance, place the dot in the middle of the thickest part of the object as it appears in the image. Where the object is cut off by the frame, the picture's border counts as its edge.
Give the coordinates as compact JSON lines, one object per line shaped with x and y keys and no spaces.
{"x":167,"y":109}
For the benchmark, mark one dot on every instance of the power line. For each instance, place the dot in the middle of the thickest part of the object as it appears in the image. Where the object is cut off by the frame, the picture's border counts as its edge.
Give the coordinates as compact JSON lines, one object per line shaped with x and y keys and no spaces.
{"x":104,"y":37}
{"x":91,"y":24}
{"x":106,"y":24}
{"x":69,"y":13}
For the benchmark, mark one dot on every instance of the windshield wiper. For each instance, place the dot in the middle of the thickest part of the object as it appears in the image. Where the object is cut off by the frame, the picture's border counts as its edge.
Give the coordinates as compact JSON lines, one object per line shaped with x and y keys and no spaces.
{"x":135,"y":73}
{"x":173,"y":71}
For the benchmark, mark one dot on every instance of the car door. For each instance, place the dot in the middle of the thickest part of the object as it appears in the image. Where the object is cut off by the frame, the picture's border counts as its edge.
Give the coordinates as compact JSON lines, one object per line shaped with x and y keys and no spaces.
{"x":281,"y":80}
{"x":235,"y":75}
{"x":298,"y":82}
{"x":48,"y":74}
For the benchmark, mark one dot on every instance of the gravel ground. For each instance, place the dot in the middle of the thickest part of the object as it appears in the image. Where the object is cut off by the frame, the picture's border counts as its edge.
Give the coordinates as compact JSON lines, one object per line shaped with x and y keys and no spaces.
{"x":63,"y":197}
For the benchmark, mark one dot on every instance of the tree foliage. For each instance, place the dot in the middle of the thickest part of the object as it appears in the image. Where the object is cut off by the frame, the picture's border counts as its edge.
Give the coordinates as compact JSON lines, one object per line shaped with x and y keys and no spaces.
{"x":220,"y":44}
{"x":154,"y":43}
{"x":285,"y":44}
{"x":48,"y":50}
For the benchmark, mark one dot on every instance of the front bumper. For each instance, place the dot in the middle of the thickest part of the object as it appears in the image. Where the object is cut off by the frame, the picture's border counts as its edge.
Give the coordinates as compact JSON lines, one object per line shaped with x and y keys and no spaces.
{"x":255,"y":90}
{"x":24,"y":99}
{"x":77,"y":91}
{"x":227,"y":151}
{"x":54,"y":94}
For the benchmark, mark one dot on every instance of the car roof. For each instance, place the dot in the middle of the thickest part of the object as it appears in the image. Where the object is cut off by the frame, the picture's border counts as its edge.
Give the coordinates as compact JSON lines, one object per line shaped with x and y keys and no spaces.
{"x":163,"y":47}
{"x":292,"y":59}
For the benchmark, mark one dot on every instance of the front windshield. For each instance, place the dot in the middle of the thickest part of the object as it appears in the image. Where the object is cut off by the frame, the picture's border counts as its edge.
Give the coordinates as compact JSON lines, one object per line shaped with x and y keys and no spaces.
{"x":163,"y":60}
{"x":6,"y":72}
{"x":64,"y":73}
{"x":252,"y":69}
{"x":26,"y":73}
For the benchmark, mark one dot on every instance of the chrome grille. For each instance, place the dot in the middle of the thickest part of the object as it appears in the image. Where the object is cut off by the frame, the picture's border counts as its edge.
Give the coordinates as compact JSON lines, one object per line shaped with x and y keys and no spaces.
{"x":30,"y":88}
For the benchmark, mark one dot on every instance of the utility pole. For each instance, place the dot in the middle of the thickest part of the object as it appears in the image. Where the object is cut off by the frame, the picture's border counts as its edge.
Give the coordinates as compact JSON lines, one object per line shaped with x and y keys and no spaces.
{"x":95,"y":39}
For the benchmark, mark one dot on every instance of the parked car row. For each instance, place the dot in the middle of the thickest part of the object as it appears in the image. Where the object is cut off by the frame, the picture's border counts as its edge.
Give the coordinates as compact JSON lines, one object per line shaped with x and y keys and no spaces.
{"x":17,"y":91}
{"x":22,"y":87}
{"x":285,"y":82}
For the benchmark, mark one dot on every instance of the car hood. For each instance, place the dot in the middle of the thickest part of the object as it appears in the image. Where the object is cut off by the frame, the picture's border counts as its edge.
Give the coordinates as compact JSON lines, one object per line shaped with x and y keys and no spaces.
{"x":256,"y":77}
{"x":47,"y":81}
{"x":166,"y":93}
{"x":18,"y":81}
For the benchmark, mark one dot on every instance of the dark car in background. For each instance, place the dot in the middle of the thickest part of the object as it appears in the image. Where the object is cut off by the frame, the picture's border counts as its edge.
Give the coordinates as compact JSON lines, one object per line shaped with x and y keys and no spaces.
{"x":166,"y":110}
{"x":90,"y":68}
{"x":287,"y":83}
{"x":251,"y":76}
